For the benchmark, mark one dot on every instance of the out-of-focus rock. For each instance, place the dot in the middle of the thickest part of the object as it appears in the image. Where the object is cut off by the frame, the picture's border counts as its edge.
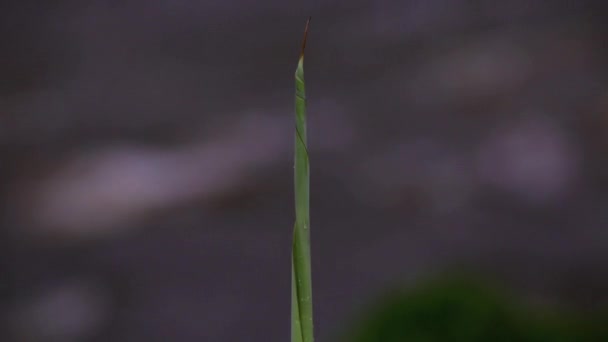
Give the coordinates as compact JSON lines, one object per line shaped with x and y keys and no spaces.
{"x":533,"y":159}
{"x":424,"y":172}
{"x":73,"y":311}
{"x":103,"y":191}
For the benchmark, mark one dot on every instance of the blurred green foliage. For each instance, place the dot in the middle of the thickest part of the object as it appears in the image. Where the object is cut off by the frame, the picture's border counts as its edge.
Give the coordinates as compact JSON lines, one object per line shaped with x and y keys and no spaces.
{"x":458,"y":310}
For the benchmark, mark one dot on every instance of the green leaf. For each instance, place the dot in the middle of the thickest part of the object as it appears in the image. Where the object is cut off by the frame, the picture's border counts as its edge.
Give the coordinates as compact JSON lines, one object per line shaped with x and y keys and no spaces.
{"x":301,"y":289}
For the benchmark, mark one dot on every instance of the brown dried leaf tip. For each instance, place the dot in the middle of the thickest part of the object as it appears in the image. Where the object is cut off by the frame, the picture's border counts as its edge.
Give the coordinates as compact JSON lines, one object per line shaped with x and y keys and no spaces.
{"x":305,"y":35}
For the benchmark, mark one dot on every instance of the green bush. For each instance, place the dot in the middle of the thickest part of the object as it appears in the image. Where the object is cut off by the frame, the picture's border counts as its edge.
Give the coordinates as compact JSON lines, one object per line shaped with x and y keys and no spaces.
{"x":456,"y":310}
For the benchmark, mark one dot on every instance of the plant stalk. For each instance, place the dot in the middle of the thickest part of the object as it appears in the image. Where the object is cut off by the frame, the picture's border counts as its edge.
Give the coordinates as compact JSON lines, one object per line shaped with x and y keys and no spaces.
{"x":301,"y":288}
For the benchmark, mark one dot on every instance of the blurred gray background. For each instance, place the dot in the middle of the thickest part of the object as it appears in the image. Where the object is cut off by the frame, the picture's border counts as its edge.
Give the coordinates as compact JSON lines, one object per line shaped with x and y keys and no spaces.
{"x":146,"y":159}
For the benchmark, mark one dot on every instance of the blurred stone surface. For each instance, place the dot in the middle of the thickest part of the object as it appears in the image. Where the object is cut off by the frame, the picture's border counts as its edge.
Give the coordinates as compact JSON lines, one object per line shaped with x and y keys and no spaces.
{"x":69,"y":312}
{"x":148,"y":145}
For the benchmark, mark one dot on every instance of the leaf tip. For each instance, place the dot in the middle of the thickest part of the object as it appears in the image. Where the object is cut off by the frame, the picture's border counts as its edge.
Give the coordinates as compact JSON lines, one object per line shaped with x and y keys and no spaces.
{"x":304,"y":40}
